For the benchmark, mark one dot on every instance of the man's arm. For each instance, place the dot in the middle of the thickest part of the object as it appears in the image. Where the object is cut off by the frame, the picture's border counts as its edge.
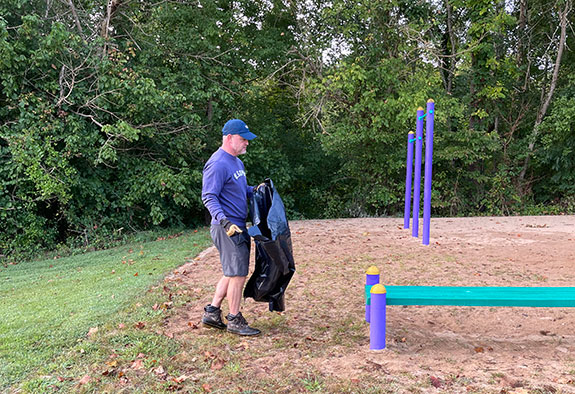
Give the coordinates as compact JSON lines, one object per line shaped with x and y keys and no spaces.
{"x":250,"y":191}
{"x":212,"y":184}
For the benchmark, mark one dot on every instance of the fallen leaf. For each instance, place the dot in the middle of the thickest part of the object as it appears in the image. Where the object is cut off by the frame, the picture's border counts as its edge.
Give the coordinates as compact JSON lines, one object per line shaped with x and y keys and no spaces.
{"x":518,"y":391}
{"x":207,"y":388}
{"x":243,"y":346}
{"x":109,"y":372}
{"x":121,"y":326}
{"x":218,"y":364}
{"x":92,"y":331}
{"x":112,"y":364}
{"x":479,"y":349}
{"x":180,"y":379}
{"x":155,"y":306}
{"x":193,"y":326}
{"x":140,"y":325}
{"x":435,"y":382}
{"x":85,"y":379}
{"x":137,"y":364}
{"x":159,"y":371}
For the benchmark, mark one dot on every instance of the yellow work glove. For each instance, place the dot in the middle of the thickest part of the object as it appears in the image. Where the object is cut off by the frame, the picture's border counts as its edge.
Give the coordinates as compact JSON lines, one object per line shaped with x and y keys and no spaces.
{"x":231,"y":229}
{"x":256,"y":188}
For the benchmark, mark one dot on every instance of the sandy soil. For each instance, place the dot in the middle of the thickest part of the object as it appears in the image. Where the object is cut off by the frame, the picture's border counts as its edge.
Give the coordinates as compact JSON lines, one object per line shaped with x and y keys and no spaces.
{"x":456,"y":349}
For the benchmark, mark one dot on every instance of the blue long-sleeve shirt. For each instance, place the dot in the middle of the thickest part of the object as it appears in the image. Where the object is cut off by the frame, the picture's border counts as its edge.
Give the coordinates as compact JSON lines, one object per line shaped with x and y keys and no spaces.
{"x":225,"y":189}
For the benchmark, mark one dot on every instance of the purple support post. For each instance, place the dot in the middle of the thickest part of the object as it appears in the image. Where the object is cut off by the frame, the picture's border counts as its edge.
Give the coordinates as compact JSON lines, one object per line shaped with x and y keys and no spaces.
{"x":371,"y":279}
{"x":408,"y":178}
{"x":377,"y":326}
{"x":428,"y":170}
{"x":417,"y":178}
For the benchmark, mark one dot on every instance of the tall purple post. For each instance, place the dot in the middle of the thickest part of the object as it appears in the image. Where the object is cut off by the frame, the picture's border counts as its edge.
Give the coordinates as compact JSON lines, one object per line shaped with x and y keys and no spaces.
{"x":428,"y":169}
{"x":417,"y":177}
{"x":408,"y":177}
{"x":371,"y":279}
{"x":377,"y":325}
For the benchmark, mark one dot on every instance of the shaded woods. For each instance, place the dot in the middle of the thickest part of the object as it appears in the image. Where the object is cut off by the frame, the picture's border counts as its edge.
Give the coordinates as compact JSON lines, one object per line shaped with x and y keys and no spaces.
{"x":108,"y":110}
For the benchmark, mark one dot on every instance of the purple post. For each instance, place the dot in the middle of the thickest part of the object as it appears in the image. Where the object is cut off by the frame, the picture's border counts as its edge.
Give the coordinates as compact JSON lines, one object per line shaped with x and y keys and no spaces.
{"x":377,"y":326}
{"x":428,"y":169}
{"x":408,"y":177}
{"x":417,"y":178}
{"x":371,"y":279}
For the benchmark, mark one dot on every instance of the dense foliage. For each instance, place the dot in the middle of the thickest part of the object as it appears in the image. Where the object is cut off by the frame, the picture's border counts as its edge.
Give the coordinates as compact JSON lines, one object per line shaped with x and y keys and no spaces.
{"x":109,"y":109}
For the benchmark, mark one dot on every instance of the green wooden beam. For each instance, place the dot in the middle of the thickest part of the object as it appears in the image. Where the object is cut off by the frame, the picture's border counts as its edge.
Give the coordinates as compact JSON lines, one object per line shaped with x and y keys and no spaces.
{"x":481,"y":296}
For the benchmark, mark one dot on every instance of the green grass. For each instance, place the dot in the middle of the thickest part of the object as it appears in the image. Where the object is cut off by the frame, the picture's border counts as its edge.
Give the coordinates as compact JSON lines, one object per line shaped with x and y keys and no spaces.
{"x":49,"y":306}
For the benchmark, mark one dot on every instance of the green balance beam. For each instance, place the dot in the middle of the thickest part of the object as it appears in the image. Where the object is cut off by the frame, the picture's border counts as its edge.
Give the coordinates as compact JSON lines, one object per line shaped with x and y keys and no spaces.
{"x":481,"y":296}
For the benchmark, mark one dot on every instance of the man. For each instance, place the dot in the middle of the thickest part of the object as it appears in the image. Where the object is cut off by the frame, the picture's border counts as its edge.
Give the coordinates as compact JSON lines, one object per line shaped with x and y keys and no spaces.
{"x":225,"y":194}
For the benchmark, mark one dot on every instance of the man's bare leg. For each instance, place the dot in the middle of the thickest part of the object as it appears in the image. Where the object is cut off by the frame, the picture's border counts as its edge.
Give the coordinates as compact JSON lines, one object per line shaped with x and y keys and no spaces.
{"x":221,"y":291}
{"x":234,"y":293}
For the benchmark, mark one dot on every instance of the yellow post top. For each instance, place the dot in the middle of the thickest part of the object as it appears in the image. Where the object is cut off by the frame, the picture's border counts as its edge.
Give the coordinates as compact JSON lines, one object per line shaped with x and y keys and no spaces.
{"x":378,"y":289}
{"x":372,"y":270}
{"x":411,"y":132}
{"x":420,"y":108}
{"x":430,"y":101}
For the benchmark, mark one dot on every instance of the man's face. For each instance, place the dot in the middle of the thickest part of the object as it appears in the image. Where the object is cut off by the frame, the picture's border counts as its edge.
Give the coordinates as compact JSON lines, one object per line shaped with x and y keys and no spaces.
{"x":238,"y":144}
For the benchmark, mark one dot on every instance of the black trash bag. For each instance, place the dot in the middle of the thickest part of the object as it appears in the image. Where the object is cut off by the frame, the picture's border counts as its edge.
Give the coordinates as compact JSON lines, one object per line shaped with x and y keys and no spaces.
{"x":274,"y":256}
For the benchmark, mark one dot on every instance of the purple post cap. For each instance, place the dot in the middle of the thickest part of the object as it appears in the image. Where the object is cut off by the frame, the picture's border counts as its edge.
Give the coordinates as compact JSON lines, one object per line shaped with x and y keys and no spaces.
{"x":239,"y":127}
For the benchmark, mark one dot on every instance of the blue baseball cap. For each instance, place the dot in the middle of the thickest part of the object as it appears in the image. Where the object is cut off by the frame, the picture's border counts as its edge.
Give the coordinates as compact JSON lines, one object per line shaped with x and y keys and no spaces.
{"x":237,"y":126}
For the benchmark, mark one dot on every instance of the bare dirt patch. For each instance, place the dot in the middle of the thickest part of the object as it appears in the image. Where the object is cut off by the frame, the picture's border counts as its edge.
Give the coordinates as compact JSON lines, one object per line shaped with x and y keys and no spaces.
{"x":321,"y":341}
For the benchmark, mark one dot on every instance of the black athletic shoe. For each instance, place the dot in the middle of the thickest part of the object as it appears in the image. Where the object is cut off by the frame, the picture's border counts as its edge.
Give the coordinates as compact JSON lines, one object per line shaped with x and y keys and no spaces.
{"x":213,"y":317}
{"x":238,"y":325}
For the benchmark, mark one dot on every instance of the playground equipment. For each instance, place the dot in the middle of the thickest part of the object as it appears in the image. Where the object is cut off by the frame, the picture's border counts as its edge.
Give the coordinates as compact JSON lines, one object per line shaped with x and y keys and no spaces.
{"x":429,"y":115}
{"x":371,"y":279}
{"x":460,"y":296}
{"x":378,"y":309}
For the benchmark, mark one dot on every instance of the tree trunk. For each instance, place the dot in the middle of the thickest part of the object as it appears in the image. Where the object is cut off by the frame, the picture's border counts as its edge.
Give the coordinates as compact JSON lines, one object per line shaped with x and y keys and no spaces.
{"x":105,"y":27}
{"x":521,"y":32}
{"x":452,"y":58}
{"x":75,"y":16}
{"x":563,"y":16}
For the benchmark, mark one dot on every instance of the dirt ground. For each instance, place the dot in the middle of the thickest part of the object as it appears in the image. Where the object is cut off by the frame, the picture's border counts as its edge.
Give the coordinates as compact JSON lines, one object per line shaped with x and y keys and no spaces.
{"x":454,"y":349}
